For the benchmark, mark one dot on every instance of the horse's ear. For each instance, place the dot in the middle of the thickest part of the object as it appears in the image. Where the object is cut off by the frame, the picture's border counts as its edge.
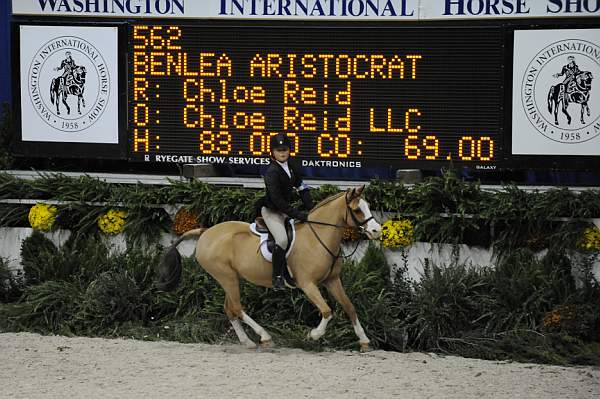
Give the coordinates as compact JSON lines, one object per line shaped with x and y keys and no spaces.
{"x":360,"y":190}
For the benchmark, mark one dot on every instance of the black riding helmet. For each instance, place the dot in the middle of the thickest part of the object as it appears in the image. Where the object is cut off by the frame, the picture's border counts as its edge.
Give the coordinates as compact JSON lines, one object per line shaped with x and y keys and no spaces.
{"x":280,"y":140}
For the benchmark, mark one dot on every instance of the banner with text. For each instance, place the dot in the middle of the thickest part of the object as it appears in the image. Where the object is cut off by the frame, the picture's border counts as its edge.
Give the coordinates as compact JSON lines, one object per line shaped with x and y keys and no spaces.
{"x":312,"y":9}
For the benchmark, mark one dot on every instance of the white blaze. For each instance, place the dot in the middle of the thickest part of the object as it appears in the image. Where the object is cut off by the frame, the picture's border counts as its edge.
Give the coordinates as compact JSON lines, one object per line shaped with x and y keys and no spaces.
{"x":372,"y":227}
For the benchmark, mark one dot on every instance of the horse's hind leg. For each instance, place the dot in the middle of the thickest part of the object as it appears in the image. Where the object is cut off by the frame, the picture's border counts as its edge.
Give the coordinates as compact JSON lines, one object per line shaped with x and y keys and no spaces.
{"x":237,"y":327}
{"x":233,"y":308}
{"x":265,"y":338}
{"x":564,"y":110}
{"x":336,"y":289}
{"x":64,"y":101}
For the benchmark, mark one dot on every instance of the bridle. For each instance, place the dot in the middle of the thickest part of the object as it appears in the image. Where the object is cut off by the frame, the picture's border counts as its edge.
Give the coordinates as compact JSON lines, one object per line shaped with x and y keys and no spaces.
{"x":357,"y":224}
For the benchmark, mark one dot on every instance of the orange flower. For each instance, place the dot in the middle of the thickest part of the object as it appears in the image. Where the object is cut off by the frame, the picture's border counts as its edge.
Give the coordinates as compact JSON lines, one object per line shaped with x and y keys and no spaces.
{"x":185,"y":221}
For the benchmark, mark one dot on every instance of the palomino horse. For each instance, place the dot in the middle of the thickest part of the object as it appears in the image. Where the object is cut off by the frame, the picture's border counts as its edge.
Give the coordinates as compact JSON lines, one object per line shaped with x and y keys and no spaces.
{"x":229,"y":251}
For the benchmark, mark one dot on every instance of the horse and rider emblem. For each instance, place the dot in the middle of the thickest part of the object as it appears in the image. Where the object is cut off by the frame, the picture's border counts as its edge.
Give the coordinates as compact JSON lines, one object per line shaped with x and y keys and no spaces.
{"x":554,"y":73}
{"x":70,"y":83}
{"x":575,"y":88}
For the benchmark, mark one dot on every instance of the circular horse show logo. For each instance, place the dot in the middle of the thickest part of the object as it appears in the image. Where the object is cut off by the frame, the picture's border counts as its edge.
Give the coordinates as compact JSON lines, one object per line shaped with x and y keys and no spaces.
{"x":557,"y":94}
{"x":69,"y":83}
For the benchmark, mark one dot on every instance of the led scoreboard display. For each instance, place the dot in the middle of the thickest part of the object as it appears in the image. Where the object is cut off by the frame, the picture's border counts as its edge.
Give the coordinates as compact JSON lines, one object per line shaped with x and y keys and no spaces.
{"x":346,"y":96}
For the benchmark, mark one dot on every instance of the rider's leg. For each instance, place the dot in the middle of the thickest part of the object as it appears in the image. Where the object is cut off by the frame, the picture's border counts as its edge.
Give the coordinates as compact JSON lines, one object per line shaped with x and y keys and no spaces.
{"x":275,"y":222}
{"x":278,"y":265}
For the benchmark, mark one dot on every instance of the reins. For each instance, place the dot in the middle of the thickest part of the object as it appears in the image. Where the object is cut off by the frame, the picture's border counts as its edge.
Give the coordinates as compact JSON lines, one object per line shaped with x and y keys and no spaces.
{"x":358,"y":225}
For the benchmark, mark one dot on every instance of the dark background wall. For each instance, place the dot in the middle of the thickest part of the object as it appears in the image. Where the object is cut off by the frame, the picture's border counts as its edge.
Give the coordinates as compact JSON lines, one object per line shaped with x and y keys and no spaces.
{"x":5,"y":11}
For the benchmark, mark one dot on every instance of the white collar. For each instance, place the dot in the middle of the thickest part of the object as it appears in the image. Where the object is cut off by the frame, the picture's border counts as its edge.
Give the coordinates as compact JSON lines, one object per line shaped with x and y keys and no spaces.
{"x":285,"y":167}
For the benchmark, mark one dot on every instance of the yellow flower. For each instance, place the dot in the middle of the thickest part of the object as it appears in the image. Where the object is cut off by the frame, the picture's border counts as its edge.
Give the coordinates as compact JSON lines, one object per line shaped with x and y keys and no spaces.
{"x":397,"y":233}
{"x":42,"y":217}
{"x":591,"y":239}
{"x":112,"y":222}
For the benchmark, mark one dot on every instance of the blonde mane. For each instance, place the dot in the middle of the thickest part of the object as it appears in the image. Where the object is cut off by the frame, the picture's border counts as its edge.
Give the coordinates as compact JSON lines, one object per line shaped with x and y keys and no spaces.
{"x":328,"y":200}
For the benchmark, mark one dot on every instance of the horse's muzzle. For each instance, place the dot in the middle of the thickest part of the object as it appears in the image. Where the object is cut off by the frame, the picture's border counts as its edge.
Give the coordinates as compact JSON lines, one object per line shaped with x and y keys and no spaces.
{"x":372,"y":234}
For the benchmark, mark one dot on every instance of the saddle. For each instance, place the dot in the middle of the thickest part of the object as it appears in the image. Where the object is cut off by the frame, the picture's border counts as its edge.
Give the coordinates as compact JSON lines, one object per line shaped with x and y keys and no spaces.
{"x":267,"y":241}
{"x":267,"y":244}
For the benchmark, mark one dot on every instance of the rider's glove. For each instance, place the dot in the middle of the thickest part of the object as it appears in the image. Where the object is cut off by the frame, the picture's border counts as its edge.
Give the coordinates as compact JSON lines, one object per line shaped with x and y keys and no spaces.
{"x":306,"y":199}
{"x":302,"y":216}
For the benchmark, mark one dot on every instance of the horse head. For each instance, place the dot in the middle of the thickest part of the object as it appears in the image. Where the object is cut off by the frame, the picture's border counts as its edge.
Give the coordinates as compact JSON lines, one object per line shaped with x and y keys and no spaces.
{"x":358,"y":213}
{"x":584,"y":80}
{"x":79,"y":74}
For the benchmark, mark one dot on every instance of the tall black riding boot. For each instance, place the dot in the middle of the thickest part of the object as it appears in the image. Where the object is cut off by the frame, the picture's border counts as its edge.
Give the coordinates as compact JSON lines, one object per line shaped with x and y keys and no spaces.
{"x":278,"y":265}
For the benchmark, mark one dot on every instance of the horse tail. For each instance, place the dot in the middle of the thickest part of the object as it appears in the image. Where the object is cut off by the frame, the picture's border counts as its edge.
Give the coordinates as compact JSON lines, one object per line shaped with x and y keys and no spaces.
{"x":550,"y":98}
{"x":52,"y":90}
{"x":169,"y":269}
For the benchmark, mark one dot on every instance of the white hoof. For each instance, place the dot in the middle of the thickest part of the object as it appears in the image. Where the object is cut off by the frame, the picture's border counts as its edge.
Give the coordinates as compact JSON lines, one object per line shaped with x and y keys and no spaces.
{"x":315,"y":334}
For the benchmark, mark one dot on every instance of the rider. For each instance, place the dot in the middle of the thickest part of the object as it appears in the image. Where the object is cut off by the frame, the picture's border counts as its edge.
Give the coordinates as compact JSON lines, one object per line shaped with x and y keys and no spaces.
{"x":67,"y":65}
{"x":570,"y":71}
{"x":281,"y":178}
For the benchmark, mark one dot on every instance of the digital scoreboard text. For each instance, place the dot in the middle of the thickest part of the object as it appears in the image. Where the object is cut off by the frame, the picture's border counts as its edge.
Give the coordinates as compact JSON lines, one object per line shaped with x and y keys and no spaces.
{"x":346,"y":96}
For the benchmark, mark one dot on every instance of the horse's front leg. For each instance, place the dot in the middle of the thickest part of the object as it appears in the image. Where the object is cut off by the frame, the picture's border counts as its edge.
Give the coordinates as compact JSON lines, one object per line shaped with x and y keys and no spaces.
{"x":336,"y":289}
{"x":314,"y":295}
{"x":584,"y":106}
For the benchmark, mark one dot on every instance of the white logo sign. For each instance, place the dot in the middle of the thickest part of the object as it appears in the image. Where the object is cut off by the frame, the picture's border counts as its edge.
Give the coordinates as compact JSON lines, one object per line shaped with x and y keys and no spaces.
{"x":69,"y":84}
{"x":554,"y":91}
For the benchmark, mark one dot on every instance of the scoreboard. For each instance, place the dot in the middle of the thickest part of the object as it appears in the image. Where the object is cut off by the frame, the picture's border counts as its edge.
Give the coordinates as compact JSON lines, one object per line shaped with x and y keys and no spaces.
{"x":346,"y":96}
{"x":208,"y":82}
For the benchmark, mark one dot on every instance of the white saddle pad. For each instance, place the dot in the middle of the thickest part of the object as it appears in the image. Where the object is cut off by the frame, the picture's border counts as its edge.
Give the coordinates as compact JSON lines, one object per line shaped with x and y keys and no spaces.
{"x":263,"y":243}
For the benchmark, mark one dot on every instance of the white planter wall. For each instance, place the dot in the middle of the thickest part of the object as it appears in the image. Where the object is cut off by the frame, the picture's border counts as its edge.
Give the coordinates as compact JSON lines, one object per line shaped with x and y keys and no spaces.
{"x":11,"y":239}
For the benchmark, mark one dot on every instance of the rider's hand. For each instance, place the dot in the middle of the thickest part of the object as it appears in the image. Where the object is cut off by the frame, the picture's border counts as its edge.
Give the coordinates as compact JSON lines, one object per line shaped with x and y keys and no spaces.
{"x":302,"y":216}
